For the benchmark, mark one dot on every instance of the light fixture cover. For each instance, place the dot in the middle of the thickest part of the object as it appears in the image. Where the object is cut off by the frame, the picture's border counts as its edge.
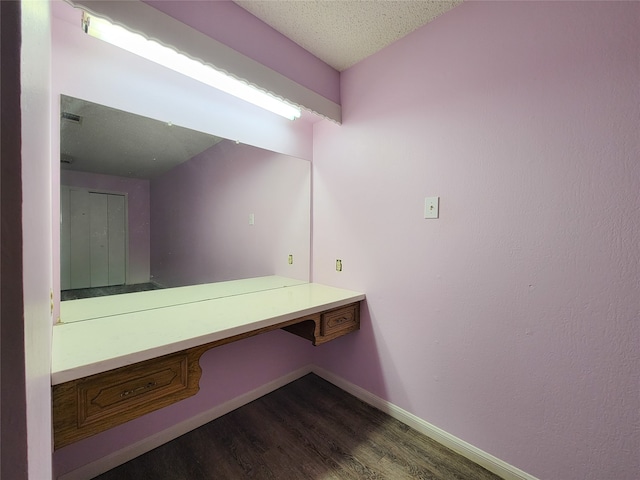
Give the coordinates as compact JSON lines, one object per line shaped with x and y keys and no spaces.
{"x":151,"y":50}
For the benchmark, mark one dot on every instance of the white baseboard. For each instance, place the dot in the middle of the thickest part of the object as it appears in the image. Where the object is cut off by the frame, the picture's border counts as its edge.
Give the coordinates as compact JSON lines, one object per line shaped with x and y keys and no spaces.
{"x":491,"y":463}
{"x":484,"y":459}
{"x":145,"y":445}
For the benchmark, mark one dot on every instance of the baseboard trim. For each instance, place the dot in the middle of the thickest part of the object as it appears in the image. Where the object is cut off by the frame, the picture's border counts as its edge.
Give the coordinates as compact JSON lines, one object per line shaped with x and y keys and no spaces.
{"x":480,"y":457}
{"x":484,"y":459}
{"x":145,"y":445}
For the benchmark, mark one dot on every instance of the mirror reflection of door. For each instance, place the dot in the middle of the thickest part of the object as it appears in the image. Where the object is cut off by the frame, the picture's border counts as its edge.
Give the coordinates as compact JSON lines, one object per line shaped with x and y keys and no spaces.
{"x":195,"y":189}
{"x":93,"y":238}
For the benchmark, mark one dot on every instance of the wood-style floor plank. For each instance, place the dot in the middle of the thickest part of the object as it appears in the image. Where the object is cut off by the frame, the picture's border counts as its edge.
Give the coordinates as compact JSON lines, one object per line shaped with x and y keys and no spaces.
{"x":309,"y":430}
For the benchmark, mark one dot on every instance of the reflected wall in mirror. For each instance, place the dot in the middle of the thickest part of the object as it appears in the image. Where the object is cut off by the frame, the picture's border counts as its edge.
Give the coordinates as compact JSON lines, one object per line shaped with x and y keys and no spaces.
{"x":147,"y":204}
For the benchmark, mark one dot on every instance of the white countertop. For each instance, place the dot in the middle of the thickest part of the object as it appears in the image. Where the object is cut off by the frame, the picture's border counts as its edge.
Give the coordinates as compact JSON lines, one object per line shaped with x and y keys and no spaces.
{"x":83,"y":348}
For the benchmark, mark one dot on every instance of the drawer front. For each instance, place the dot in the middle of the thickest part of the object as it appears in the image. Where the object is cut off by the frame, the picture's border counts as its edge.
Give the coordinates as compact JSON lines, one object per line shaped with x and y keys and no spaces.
{"x":111,"y":394}
{"x":344,"y":318}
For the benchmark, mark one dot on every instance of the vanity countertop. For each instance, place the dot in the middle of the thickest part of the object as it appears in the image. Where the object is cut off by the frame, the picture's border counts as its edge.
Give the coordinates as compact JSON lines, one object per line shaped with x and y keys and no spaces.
{"x":95,"y":345}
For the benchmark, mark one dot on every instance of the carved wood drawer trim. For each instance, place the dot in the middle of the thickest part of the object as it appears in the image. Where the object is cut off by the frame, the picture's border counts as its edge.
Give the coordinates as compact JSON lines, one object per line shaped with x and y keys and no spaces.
{"x":338,"y":322}
{"x":84,"y":407}
{"x":111,"y":393}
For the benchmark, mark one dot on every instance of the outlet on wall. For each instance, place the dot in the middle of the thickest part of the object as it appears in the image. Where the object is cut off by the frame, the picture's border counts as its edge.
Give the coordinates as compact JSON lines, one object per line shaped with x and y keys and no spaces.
{"x":339,"y":265}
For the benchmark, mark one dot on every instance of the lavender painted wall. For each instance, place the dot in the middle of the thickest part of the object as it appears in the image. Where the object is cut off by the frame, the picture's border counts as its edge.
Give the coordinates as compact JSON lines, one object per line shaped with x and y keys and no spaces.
{"x":200,"y":231}
{"x":509,"y":321}
{"x":512,"y":322}
{"x":35,"y":104}
{"x":137,"y":190}
{"x":230,"y":24}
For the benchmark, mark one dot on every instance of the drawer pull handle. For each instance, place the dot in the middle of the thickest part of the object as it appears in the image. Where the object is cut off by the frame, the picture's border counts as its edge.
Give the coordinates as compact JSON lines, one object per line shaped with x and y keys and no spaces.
{"x":134,"y":390}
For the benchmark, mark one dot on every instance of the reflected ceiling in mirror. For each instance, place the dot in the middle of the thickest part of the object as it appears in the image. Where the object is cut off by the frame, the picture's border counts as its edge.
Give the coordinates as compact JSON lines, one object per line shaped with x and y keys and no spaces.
{"x":104,"y":140}
{"x":146,"y":205}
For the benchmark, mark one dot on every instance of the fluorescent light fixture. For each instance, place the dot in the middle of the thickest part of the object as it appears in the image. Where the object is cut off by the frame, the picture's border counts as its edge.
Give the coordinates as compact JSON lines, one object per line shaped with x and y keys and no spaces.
{"x":135,"y":43}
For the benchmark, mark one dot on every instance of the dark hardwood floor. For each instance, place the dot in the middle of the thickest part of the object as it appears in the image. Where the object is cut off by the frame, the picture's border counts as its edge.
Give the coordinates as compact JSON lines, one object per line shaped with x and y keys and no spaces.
{"x":102,"y":291}
{"x":308,"y":429}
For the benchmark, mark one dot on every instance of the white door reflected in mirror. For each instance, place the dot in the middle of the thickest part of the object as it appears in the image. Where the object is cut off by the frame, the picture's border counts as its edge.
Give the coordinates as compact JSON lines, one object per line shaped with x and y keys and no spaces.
{"x":165,"y":206}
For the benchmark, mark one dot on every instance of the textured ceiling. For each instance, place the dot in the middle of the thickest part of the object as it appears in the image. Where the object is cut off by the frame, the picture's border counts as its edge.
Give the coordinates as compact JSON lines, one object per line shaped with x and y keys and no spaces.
{"x":145,"y":148}
{"x":343,"y":32}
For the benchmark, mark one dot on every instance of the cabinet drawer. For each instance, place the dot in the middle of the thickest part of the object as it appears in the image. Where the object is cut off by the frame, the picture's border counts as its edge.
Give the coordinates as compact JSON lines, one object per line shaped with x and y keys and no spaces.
{"x":109,"y":394}
{"x":339,"y":320}
{"x":90,"y":405}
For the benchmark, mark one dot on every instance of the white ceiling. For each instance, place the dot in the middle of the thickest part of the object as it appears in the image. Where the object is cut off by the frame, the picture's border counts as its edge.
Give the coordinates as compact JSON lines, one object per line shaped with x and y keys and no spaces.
{"x":343,"y":32}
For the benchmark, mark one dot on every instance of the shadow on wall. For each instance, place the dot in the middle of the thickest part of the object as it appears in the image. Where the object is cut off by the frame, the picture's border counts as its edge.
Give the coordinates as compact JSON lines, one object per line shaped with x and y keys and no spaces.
{"x":358,"y":356}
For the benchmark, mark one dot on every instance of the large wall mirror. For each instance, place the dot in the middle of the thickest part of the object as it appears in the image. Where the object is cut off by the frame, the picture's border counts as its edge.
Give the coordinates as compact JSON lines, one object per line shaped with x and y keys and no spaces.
{"x":147,"y":205}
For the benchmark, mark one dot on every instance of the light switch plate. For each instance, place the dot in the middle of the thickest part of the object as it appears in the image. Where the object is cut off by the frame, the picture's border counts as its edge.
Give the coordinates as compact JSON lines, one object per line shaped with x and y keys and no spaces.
{"x":431,"y":207}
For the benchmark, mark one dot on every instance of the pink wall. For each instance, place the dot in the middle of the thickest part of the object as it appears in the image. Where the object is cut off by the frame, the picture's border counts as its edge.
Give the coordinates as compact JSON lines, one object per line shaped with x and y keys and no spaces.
{"x":512,"y":322}
{"x":35,"y":105}
{"x":230,"y":24}
{"x":200,"y":231}
{"x":137,"y":190}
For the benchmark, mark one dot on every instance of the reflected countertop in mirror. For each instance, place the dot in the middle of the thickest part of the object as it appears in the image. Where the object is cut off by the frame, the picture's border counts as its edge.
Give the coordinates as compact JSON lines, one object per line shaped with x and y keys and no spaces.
{"x":110,"y":305}
{"x":145,"y":202}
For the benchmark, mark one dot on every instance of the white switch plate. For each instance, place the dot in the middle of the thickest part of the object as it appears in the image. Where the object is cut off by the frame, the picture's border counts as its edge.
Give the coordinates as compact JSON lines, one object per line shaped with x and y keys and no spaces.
{"x":252,"y":219}
{"x":431,"y":207}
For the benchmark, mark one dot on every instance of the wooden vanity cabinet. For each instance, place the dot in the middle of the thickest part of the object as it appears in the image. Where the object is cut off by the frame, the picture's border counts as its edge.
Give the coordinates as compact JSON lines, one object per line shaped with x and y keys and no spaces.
{"x":89,"y":405}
